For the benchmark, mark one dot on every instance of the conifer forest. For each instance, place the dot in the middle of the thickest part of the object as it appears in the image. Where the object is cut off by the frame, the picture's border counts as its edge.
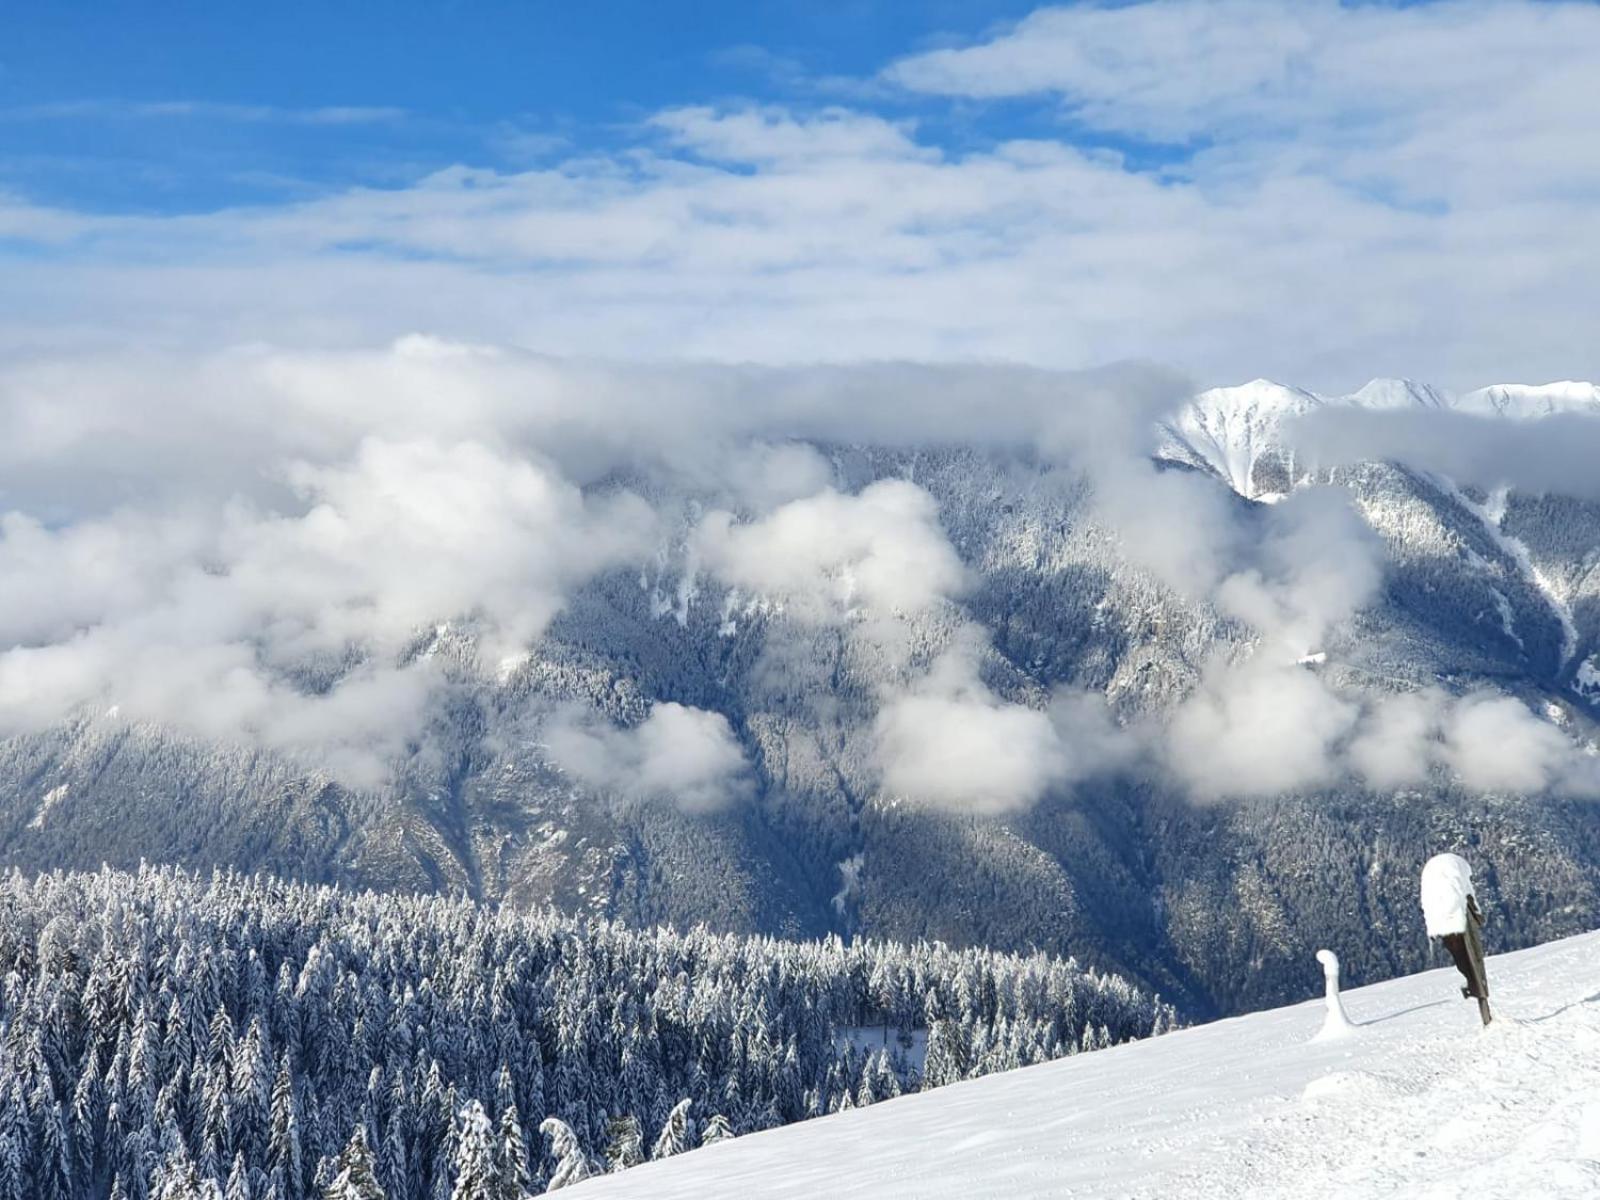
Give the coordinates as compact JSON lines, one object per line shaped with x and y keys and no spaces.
{"x":165,"y":1036}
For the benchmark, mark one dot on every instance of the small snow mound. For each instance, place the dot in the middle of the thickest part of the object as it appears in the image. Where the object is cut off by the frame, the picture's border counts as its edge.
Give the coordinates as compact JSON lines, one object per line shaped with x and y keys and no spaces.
{"x":1346,"y":1087}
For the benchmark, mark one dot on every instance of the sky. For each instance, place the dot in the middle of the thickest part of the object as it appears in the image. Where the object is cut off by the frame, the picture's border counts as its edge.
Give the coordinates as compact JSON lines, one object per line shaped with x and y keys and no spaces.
{"x":182,"y":107}
{"x":1313,"y":192}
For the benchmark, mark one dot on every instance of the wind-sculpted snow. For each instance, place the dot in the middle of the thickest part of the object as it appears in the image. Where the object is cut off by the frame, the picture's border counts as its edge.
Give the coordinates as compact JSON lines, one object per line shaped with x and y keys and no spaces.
{"x":162,"y":1032}
{"x":1415,"y":1100}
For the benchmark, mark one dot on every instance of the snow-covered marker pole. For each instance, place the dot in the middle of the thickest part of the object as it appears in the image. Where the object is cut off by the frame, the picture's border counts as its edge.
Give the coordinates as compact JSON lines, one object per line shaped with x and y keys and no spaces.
{"x":1336,"y":1023}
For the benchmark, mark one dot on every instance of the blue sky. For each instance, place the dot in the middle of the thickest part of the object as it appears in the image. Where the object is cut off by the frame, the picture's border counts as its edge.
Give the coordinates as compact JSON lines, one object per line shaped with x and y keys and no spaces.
{"x":185,"y":106}
{"x":1301,"y":189}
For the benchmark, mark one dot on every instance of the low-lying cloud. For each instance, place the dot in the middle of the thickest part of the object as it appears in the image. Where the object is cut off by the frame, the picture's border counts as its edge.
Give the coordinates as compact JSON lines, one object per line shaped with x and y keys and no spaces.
{"x":311,"y":588}
{"x":684,"y":755}
{"x":949,"y":742}
{"x":292,"y":628}
{"x":830,"y":554}
{"x":1555,"y":453}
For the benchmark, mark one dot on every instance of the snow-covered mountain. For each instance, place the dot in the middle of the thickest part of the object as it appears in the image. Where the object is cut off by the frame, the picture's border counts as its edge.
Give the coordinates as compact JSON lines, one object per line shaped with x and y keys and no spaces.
{"x":1524,"y":401}
{"x":1415,"y":1100}
{"x":1215,"y":906}
{"x":1237,"y":432}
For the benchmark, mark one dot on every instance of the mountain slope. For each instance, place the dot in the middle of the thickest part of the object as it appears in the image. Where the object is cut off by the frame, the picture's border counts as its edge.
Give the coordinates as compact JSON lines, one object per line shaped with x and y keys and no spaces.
{"x":1415,"y":1100}
{"x":1214,"y":906}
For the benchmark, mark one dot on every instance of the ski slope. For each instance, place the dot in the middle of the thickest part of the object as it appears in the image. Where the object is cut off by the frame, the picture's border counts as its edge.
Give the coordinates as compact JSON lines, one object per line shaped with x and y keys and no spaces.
{"x":1417,"y":1100}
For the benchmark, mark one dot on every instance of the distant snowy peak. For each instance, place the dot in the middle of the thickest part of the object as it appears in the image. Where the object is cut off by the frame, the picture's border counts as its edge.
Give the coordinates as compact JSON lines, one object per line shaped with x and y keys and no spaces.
{"x":1525,"y":400}
{"x":1398,"y":393}
{"x":1236,"y":432}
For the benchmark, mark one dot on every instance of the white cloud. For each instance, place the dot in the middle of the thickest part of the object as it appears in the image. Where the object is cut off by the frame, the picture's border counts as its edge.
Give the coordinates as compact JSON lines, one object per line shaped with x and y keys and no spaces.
{"x":775,"y":136}
{"x":686,"y":755}
{"x":1259,"y":729}
{"x":212,"y":624}
{"x":219,"y":543}
{"x":1493,"y":743}
{"x":1552,"y":453}
{"x":949,"y":742}
{"x":1315,"y":564}
{"x":1349,"y":201}
{"x":1368,"y":94}
{"x":827,"y":555}
{"x":1393,"y":747}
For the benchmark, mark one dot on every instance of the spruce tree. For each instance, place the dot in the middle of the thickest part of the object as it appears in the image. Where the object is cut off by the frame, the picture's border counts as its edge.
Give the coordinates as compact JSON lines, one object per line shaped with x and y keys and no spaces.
{"x":624,"y":1143}
{"x":717,"y":1130}
{"x":572,"y":1165}
{"x":677,"y":1132}
{"x":476,"y":1176}
{"x":355,"y":1175}
{"x":511,"y":1156}
{"x":238,"y":1185}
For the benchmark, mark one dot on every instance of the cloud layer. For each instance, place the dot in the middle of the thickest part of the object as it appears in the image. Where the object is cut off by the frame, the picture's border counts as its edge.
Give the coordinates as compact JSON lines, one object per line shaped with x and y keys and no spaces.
{"x":1305,"y":190}
{"x":239,"y":495}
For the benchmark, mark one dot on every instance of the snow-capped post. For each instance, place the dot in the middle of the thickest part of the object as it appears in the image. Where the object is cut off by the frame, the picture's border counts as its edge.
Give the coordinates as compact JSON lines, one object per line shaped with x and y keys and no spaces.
{"x":1336,"y":1023}
{"x":1450,"y":910}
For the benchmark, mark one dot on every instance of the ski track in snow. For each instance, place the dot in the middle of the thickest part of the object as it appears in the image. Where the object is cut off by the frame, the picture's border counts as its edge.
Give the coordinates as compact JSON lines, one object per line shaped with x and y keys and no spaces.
{"x":1416,"y":1101}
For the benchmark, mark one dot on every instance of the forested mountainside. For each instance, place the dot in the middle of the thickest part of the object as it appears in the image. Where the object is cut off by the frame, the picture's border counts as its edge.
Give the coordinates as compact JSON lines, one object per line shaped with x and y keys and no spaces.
{"x":165,"y":1035}
{"x":1216,"y":904}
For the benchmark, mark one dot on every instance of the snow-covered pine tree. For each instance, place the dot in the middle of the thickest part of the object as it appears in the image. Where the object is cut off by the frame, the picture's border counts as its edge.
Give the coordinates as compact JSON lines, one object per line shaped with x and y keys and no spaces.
{"x":476,"y":1176}
{"x":572,"y":1165}
{"x":238,"y":1185}
{"x":10,"y":1168}
{"x":177,"y":1178}
{"x":947,"y":1057}
{"x":355,"y":1173}
{"x":624,"y":1143}
{"x":677,"y":1132}
{"x":717,"y":1129}
{"x":153,"y":1031}
{"x":511,"y":1156}
{"x":53,"y":1175}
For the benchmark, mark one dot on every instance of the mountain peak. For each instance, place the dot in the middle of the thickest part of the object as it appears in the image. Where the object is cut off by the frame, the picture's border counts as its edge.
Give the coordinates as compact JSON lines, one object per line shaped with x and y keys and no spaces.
{"x":1398,"y":393}
{"x":1532,"y":400}
{"x":1231,"y":430}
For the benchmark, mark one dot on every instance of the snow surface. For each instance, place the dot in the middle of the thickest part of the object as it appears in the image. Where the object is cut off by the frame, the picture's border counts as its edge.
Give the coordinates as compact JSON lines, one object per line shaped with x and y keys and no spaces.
{"x":1523,"y":401}
{"x":1415,"y":1101}
{"x":1229,"y":430}
{"x":1446,"y":884}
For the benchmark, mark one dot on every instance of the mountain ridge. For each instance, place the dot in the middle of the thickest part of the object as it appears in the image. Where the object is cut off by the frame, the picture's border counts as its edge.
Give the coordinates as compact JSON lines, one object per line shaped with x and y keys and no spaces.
{"x":1215,"y":905}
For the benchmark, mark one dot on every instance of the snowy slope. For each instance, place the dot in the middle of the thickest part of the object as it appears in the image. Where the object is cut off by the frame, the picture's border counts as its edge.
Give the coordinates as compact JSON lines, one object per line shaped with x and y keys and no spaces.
{"x":1231,"y":429}
{"x":1532,"y":400}
{"x":1236,"y":432}
{"x":1416,"y":1101}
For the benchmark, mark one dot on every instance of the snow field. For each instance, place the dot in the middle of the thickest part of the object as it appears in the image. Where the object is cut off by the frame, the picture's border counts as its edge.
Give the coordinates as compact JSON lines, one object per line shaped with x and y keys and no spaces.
{"x":1416,"y":1101}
